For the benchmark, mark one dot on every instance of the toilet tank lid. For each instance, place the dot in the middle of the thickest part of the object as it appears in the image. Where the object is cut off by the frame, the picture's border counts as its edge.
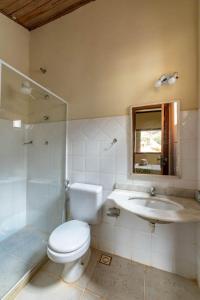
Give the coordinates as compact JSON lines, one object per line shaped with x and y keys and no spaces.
{"x":86,"y":187}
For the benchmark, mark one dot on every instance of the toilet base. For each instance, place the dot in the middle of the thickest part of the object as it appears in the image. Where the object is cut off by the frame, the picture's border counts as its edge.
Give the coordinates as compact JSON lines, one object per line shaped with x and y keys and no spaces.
{"x":74,"y":270}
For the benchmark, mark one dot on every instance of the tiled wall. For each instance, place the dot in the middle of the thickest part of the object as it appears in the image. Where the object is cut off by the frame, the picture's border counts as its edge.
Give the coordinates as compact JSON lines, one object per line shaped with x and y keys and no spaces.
{"x":12,"y":179}
{"x":91,"y":160}
{"x":31,"y":176}
{"x":45,"y":174}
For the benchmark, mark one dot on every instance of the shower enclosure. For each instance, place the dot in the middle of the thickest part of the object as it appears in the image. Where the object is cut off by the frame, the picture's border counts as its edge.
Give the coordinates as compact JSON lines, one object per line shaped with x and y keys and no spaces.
{"x":32,"y":172}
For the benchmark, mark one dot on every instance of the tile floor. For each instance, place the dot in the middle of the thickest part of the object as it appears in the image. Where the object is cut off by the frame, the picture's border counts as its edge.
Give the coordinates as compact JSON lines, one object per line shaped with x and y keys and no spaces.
{"x":122,"y":280}
{"x":19,"y":253}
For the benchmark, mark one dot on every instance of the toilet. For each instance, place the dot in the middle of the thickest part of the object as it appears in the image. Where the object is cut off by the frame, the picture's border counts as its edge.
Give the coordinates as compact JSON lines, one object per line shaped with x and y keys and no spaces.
{"x":69,"y":243}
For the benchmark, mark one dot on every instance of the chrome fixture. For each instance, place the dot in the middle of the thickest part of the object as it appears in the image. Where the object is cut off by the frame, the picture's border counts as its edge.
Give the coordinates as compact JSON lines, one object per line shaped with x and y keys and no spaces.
{"x":28,"y":143}
{"x":167,"y":79}
{"x":152,"y":191}
{"x":114,"y":141}
{"x":67,"y":184}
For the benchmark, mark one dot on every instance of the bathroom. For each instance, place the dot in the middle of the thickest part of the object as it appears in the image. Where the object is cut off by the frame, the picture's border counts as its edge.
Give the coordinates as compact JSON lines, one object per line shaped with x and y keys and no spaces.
{"x":90,"y":91}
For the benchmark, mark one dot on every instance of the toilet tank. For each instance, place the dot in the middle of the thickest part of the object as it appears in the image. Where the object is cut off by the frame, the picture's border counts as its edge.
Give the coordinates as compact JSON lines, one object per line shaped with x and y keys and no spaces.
{"x":85,"y":202}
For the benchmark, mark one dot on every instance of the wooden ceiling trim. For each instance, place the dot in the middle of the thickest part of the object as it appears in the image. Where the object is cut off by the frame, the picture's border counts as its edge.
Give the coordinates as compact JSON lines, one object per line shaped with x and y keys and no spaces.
{"x":33,"y":13}
{"x":51,"y":15}
{"x":15,"y":6}
{"x":28,"y":10}
{"x":6,"y":3}
{"x":48,"y":6}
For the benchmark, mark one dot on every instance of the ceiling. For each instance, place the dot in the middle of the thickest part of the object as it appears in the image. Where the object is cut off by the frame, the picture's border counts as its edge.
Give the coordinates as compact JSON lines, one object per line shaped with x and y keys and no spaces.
{"x":35,"y":13}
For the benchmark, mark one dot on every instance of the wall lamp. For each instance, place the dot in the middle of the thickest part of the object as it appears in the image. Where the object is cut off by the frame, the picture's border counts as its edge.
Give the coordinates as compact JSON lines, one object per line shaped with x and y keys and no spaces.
{"x":167,"y":79}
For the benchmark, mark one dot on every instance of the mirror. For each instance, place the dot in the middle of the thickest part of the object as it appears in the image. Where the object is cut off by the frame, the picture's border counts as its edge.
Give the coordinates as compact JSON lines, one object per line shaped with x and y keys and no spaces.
{"x":155,"y":139}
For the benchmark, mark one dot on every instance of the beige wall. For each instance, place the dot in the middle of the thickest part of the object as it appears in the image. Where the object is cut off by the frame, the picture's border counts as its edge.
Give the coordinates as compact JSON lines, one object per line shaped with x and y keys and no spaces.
{"x":14,"y":44}
{"x":149,"y":120}
{"x":106,"y":56}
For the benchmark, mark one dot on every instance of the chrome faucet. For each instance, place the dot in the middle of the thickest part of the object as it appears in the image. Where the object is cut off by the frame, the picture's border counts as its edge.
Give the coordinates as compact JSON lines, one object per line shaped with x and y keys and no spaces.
{"x":153,"y":191}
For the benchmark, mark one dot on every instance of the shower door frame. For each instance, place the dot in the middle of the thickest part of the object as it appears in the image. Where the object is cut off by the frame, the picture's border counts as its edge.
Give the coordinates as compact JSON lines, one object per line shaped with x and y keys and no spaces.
{"x":24,"y":280}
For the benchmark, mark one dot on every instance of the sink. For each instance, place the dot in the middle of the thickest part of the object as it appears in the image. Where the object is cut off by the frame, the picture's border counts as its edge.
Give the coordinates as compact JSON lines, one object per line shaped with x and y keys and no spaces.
{"x":156,"y":203}
{"x":157,"y":209}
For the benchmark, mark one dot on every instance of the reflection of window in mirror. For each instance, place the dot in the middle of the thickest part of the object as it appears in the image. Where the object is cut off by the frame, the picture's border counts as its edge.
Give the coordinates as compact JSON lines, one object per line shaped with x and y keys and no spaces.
{"x":155,"y":139}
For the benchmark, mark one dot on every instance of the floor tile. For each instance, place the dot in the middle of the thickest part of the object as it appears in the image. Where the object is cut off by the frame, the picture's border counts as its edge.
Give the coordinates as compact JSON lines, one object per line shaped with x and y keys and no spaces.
{"x":83,"y":281}
{"x":123,"y":279}
{"x":167,"y":286}
{"x":53,"y":268}
{"x":46,"y":287}
{"x":89,"y":296}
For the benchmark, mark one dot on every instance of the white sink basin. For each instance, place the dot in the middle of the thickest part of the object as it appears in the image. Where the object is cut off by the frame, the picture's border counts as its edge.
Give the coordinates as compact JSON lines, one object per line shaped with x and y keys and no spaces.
{"x":155,"y":209}
{"x":156,"y":203}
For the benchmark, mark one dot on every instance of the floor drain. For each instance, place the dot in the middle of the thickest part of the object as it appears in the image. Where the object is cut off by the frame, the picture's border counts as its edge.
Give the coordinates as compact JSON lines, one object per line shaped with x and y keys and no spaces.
{"x":105,"y":260}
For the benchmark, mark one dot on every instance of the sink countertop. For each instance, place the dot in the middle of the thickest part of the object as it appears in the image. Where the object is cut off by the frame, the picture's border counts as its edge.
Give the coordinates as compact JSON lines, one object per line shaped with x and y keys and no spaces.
{"x":189,"y":213}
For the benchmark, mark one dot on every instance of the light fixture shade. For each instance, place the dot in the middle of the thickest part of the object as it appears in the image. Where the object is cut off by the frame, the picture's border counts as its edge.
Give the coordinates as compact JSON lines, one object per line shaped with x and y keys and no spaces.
{"x":158,"y":83}
{"x":167,"y":79}
{"x":172,"y":80}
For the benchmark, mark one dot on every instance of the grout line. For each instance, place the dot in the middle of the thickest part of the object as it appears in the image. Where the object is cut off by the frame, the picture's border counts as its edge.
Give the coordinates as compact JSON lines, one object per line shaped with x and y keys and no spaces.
{"x":93,"y":293}
{"x":145,"y":271}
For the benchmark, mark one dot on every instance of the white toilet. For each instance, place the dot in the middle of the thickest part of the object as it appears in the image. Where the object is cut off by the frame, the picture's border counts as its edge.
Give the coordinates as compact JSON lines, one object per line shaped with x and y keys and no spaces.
{"x":69,"y":243}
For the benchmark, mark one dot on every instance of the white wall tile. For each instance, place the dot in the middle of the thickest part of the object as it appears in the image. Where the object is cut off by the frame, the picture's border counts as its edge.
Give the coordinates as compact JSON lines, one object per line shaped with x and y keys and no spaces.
{"x":141,"y":248}
{"x":78,"y":163}
{"x":129,"y":235}
{"x":92,"y":164}
{"x":78,"y":147}
{"x":104,"y":237}
{"x":12,"y":179}
{"x":92,"y":177}
{"x":107,"y":181}
{"x":92,"y":148}
{"x":163,"y":262}
{"x":46,"y":171}
{"x":189,"y":124}
{"x":122,"y":242}
{"x":107,"y":164}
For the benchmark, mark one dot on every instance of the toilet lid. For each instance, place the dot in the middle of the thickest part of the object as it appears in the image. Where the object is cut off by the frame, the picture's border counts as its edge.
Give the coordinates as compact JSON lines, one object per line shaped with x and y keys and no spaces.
{"x":69,"y":236}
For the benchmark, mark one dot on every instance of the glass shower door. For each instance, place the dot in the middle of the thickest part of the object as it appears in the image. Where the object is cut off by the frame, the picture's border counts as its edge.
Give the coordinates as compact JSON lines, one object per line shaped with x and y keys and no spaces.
{"x":32,"y":171}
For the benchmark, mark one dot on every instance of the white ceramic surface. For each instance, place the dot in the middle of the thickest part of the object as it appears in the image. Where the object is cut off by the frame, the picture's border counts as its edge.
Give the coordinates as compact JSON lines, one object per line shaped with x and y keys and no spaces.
{"x":128,"y":235}
{"x":155,"y":203}
{"x":157,"y":209}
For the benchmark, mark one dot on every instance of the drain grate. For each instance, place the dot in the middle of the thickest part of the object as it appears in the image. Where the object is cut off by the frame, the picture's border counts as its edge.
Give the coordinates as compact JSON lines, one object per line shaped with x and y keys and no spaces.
{"x":105,"y":260}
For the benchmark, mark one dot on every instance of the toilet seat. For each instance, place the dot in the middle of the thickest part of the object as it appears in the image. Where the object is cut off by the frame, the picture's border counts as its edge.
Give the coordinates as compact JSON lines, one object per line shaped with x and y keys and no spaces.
{"x":69,"y":236}
{"x":67,"y":257}
{"x":69,"y":241}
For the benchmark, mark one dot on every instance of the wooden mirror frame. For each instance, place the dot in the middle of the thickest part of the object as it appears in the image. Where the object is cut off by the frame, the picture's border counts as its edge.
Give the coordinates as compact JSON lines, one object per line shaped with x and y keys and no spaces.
{"x":133,"y":110}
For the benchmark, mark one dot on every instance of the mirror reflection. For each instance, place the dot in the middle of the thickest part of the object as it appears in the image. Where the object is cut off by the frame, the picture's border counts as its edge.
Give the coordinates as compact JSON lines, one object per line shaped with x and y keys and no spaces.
{"x":155,"y":139}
